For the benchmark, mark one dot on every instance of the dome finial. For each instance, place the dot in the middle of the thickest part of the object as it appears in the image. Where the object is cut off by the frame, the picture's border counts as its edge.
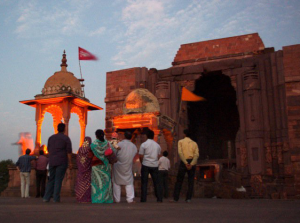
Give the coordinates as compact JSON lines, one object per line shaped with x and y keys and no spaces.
{"x":64,"y":62}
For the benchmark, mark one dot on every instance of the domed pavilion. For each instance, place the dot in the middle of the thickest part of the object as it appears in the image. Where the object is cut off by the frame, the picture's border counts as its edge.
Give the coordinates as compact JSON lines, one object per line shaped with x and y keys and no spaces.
{"x":62,"y":95}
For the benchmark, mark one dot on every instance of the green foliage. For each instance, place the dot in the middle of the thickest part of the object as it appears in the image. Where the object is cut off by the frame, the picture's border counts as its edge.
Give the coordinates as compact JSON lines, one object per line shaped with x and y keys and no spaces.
{"x":4,"y":175}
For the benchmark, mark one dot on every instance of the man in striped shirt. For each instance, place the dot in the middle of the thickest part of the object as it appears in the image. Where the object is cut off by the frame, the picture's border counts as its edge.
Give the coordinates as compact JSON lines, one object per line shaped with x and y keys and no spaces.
{"x":24,"y":166}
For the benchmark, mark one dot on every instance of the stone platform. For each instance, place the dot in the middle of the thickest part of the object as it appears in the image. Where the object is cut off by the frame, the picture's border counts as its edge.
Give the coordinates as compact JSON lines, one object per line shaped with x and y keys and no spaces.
{"x":199,"y":210}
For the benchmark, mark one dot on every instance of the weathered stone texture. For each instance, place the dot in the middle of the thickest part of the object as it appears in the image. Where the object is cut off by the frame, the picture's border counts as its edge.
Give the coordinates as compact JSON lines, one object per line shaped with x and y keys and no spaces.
{"x":267,"y":87}
{"x":217,"y":48}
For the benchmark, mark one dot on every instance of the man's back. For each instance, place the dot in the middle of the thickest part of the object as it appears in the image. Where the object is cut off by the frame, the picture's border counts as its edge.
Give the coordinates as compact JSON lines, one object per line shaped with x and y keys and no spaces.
{"x":24,"y":163}
{"x":42,"y":162}
{"x":188,"y":146}
{"x":151,"y":150}
{"x":164,"y":163}
{"x":59,"y":145}
{"x":127,"y":152}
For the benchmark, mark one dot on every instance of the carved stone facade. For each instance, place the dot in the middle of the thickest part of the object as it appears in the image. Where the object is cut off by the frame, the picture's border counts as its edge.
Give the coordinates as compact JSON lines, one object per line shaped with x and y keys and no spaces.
{"x":253,"y":101}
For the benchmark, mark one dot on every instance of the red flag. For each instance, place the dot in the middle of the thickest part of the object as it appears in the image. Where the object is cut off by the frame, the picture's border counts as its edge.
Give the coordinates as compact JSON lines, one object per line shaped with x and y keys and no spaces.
{"x":85,"y":55}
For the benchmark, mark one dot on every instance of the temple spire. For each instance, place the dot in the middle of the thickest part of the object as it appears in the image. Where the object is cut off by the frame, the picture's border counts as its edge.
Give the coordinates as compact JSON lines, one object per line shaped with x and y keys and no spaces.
{"x":64,"y":62}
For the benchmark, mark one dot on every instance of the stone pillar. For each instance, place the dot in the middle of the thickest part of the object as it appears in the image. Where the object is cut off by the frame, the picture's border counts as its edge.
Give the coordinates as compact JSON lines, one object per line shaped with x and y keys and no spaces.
{"x":39,"y":121}
{"x":253,"y":121}
{"x":82,"y":134}
{"x":66,"y":114}
{"x":240,"y":144}
{"x":156,"y":134}
{"x":163,"y":96}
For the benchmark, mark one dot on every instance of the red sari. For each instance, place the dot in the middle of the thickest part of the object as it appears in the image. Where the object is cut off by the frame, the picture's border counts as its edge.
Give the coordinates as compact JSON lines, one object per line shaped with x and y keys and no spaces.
{"x":84,"y":164}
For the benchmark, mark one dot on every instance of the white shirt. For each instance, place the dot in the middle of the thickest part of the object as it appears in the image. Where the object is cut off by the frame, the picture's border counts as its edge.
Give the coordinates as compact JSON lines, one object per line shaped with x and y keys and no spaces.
{"x":151,"y":150}
{"x":122,"y":170}
{"x":163,"y":163}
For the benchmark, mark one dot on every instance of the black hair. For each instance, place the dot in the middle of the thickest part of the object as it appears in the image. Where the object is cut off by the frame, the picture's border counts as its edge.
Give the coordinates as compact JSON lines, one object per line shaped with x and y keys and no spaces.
{"x":28,"y":151}
{"x":41,"y":152}
{"x":128,"y":135}
{"x":100,"y":134}
{"x":187,"y":132}
{"x":150,"y":134}
{"x":165,"y":153}
{"x":61,"y":127}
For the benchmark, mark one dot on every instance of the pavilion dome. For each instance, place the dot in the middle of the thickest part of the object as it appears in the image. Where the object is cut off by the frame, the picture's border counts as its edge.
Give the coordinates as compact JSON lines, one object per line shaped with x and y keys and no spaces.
{"x":62,"y":81}
{"x":140,"y":101}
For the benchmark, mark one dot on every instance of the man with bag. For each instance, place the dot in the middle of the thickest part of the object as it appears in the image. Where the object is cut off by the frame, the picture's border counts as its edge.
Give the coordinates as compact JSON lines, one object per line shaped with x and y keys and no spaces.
{"x":122,"y":170}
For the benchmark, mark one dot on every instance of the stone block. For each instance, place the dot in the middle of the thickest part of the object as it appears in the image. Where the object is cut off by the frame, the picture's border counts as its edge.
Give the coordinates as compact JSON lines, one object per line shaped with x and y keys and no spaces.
{"x":177,"y":71}
{"x":195,"y":69}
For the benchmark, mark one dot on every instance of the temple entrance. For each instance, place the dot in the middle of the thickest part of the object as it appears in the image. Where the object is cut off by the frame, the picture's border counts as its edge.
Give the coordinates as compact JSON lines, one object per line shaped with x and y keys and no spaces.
{"x":214,"y":123}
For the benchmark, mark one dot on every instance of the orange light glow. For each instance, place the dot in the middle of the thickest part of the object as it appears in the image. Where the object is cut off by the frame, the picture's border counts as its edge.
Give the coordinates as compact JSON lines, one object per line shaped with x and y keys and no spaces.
{"x":45,"y":149}
{"x":204,"y":176}
{"x":77,"y":101}
{"x":136,"y":121}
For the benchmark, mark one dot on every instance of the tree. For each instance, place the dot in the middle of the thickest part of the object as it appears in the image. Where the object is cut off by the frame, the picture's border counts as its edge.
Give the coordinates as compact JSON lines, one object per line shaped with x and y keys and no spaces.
{"x":4,"y":175}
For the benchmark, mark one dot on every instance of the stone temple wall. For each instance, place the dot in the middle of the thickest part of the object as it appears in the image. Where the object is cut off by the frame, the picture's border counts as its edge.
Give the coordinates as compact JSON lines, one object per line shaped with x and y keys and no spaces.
{"x":267,"y":160}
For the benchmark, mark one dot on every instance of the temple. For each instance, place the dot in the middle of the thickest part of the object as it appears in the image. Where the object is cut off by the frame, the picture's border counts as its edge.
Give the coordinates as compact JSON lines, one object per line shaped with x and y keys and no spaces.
{"x":248,"y":128}
{"x":62,"y":95}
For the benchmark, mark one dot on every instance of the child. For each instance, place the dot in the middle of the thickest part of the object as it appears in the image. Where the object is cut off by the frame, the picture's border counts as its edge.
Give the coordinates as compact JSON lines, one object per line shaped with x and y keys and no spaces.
{"x":114,"y":140}
{"x":163,"y":169}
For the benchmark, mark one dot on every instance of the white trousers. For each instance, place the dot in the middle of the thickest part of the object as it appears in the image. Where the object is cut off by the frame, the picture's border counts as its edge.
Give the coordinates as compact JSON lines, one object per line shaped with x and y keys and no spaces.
{"x":129,"y":192}
{"x":25,"y":182}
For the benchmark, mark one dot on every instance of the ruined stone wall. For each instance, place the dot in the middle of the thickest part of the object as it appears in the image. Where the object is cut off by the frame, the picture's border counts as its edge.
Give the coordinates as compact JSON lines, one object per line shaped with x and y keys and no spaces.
{"x":267,"y":85}
{"x":218,"y":49}
{"x":291,"y":65}
{"x":118,"y":85}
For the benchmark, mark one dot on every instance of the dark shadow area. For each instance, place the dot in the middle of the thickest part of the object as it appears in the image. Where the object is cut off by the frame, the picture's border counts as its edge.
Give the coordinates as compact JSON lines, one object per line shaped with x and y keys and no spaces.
{"x":215,"y":122}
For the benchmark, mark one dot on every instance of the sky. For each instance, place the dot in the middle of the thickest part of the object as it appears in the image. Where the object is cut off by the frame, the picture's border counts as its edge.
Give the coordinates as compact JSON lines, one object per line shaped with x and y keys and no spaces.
{"x":123,"y":34}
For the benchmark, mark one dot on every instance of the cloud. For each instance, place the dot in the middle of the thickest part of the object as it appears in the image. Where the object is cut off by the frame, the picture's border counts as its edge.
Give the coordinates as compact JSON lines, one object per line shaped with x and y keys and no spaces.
{"x":48,"y":20}
{"x":120,"y":63}
{"x":153,"y":30}
{"x":98,"y":32}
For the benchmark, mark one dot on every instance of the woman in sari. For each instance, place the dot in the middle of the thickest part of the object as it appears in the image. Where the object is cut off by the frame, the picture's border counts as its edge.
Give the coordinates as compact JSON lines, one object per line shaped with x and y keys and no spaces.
{"x":83,"y":182}
{"x":101,"y":174}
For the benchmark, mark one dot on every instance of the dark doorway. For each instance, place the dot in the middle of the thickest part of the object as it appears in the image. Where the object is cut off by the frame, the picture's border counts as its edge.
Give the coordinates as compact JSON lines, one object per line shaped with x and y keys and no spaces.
{"x":215,"y":122}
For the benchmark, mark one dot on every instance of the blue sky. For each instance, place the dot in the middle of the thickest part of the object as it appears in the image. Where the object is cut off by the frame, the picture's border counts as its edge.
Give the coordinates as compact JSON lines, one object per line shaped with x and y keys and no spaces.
{"x":123,"y":34}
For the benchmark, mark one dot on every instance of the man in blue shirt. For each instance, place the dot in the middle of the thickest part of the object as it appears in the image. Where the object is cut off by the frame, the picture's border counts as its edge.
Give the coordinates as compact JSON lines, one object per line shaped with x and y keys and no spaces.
{"x":24,"y":166}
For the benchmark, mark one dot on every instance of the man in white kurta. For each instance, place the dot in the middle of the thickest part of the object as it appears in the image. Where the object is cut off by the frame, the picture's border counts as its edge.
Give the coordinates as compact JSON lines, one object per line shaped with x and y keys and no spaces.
{"x":122,"y":170}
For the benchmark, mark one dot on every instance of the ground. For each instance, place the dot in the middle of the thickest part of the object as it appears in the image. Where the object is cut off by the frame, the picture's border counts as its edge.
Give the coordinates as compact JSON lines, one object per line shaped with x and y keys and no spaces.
{"x":199,"y":210}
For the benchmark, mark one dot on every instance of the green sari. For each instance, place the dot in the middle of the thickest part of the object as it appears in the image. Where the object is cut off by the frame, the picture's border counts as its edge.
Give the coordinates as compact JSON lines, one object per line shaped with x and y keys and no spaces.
{"x":101,"y":175}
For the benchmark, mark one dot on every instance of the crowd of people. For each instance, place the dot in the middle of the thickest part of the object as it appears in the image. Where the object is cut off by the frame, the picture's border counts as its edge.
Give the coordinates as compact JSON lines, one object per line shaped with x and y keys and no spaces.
{"x":104,"y":166}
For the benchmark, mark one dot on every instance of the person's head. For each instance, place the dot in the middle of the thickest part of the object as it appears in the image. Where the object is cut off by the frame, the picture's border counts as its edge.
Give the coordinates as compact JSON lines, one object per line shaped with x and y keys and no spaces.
{"x":165,"y":153}
{"x":150,"y":134}
{"x":41,"y":152}
{"x":28,"y":151}
{"x":88,"y":139}
{"x":187,"y":133}
{"x":128,"y":135}
{"x":114,"y":135}
{"x":61,"y":127}
{"x":100,"y":134}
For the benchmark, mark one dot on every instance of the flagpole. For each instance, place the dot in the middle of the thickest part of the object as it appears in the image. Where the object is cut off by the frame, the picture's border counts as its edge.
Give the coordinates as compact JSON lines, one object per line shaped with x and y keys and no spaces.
{"x":80,"y":69}
{"x":81,"y":80}
{"x":180,"y":105}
